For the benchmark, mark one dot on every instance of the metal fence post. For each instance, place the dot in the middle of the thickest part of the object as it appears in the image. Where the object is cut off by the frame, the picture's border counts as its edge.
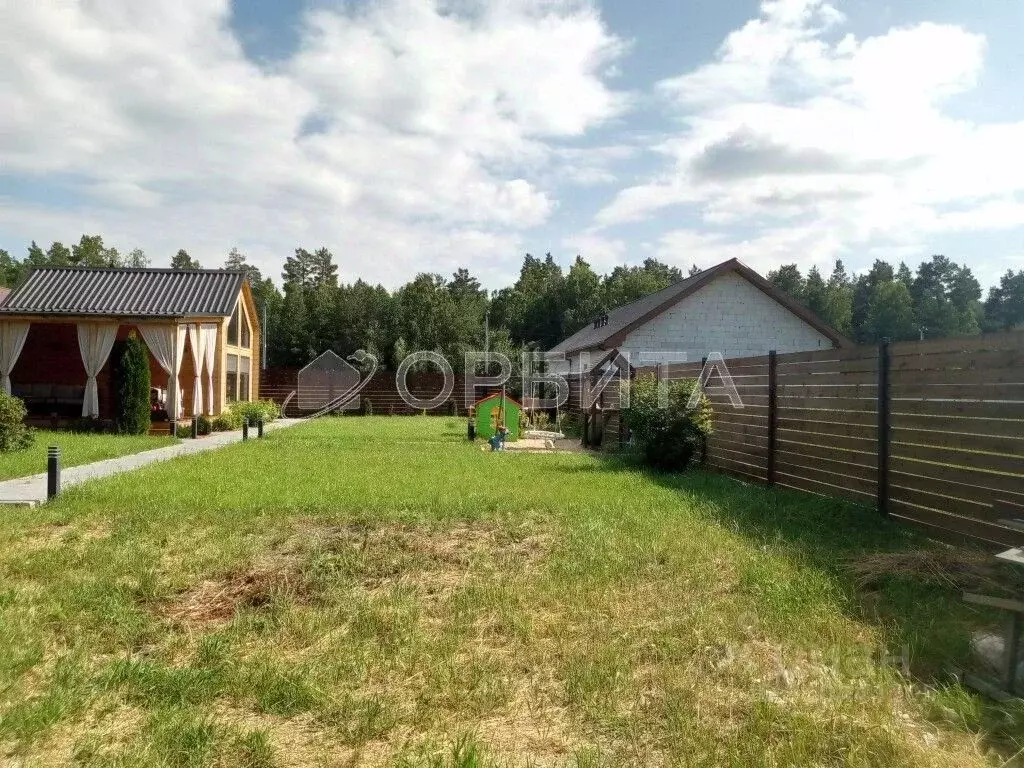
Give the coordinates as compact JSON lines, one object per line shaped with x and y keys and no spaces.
{"x":883,"y":427}
{"x":52,"y":471}
{"x":195,"y":427}
{"x":259,"y":427}
{"x":245,"y":428}
{"x":772,"y":414}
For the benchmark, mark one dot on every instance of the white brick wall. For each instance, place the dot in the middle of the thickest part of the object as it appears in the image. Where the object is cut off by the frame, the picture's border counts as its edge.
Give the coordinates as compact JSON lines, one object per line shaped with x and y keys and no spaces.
{"x":730,"y":316}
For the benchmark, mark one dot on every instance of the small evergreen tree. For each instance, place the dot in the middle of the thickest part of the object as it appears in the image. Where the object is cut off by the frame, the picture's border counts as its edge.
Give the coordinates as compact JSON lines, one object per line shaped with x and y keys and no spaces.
{"x":133,"y":383}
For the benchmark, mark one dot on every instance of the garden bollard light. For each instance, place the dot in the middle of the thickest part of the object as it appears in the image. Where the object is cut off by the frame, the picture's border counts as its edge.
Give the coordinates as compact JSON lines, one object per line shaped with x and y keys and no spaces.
{"x":195,"y":427}
{"x":259,"y":427}
{"x":52,"y":471}
{"x":245,"y":429}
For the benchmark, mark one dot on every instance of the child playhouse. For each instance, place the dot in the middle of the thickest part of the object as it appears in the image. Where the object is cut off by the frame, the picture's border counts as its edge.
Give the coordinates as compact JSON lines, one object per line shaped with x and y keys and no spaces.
{"x":495,"y":411}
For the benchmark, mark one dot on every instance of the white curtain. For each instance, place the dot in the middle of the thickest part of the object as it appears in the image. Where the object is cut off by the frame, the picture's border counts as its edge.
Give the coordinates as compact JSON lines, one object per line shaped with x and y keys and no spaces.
{"x":12,"y":340}
{"x":167,"y":343}
{"x":95,"y":340}
{"x":197,"y":344}
{"x":209,"y":333}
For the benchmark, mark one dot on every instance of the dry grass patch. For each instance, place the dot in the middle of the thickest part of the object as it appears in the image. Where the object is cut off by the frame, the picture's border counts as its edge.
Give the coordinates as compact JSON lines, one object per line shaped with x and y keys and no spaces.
{"x":955,"y":568}
{"x":214,"y":601}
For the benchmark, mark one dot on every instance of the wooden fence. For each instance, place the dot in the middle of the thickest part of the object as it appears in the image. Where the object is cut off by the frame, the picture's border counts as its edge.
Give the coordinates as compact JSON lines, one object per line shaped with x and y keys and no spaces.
{"x":930,"y":432}
{"x":381,"y":393}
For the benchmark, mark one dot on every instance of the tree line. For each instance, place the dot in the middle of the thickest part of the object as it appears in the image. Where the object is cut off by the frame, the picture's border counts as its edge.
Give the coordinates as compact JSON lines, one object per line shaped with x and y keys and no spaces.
{"x":940,"y":299}
{"x":315,"y":310}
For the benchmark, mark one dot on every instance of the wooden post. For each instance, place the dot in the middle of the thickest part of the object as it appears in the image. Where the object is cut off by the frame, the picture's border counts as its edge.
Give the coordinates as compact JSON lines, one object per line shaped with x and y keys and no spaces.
{"x":259,"y":427}
{"x":245,"y":428}
{"x":195,"y":427}
{"x":883,"y":427}
{"x":52,"y":471}
{"x":772,"y":413}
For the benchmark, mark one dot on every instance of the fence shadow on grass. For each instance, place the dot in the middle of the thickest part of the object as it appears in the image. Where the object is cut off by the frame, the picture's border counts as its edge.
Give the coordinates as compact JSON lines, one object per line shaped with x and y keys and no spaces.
{"x":921,"y":619}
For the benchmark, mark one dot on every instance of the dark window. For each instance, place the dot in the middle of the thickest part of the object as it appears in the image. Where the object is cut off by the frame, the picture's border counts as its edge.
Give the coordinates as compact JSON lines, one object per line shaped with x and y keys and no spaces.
{"x":232,"y":378}
{"x":244,"y":323}
{"x":233,"y":328}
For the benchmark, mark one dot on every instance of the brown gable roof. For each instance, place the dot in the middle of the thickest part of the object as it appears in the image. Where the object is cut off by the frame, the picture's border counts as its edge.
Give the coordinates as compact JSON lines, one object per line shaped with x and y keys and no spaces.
{"x":620,"y":322}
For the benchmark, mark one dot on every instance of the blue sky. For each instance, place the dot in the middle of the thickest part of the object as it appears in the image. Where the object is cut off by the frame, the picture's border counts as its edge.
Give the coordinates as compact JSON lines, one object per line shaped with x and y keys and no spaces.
{"x":412,"y":135}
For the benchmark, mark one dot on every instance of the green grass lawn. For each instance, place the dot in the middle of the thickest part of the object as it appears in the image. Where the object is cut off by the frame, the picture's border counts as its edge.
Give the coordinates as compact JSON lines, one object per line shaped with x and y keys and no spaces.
{"x":75,"y":449}
{"x":376,"y":591}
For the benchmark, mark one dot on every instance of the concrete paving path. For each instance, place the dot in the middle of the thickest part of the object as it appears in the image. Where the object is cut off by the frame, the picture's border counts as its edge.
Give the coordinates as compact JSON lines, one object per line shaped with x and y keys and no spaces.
{"x":31,"y":490}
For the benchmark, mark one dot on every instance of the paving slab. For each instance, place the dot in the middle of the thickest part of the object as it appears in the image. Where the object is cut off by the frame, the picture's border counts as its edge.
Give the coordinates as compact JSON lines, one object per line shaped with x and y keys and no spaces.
{"x":30,"y":491}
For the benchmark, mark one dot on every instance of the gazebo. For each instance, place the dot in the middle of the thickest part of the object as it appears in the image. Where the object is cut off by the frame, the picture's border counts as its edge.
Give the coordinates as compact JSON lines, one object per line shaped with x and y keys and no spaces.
{"x":57,"y":330}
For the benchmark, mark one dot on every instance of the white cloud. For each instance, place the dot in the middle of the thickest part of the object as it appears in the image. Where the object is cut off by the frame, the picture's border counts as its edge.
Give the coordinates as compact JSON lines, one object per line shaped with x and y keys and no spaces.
{"x":602,"y":253}
{"x":826,"y":145}
{"x":403,"y":135}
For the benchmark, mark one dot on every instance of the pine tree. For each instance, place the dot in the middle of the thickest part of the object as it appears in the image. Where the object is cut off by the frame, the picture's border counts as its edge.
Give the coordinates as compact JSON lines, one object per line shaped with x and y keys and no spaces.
{"x":182,"y":260}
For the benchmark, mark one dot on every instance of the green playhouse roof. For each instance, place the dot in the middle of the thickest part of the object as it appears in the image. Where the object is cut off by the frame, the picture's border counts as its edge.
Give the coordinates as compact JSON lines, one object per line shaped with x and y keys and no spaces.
{"x":498,"y":397}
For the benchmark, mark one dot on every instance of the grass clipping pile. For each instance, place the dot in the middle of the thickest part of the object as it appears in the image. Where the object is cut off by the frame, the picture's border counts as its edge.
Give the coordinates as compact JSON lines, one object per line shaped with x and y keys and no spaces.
{"x":433,"y":562}
{"x":952,"y":568}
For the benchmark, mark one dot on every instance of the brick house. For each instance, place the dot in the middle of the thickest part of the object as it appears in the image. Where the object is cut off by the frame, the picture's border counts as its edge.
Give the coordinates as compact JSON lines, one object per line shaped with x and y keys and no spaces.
{"x":59,"y":327}
{"x":728,"y":308}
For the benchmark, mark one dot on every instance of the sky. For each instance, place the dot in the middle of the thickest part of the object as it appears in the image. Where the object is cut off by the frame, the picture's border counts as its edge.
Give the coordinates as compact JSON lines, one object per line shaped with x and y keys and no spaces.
{"x":425,"y":135}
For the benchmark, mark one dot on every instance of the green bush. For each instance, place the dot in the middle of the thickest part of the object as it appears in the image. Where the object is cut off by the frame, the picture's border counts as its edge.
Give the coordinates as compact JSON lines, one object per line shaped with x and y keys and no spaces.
{"x":133,"y":382}
{"x":253,"y":410}
{"x":223,"y":423}
{"x":666,"y":436}
{"x":183,"y":430}
{"x":366,"y":406}
{"x":14,"y":435}
{"x":570,"y":425}
{"x":204,"y":425}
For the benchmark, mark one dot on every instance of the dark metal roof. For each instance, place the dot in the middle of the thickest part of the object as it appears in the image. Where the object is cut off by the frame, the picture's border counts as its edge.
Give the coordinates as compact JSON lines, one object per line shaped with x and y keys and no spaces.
{"x":613,"y":327}
{"x":126,"y":292}
{"x":589,"y":336}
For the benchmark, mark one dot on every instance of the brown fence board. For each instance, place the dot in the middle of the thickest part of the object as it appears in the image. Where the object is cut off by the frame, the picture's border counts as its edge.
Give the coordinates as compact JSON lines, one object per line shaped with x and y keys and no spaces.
{"x":1011,"y":465}
{"x":956,"y":484}
{"x":946,"y":361}
{"x":966,"y":408}
{"x":953,"y":505}
{"x":859,"y":485}
{"x":955,"y":424}
{"x":830,"y":452}
{"x":752,"y":430}
{"x":977,"y":391}
{"x":960,"y":441}
{"x":974,"y":377}
{"x":748,"y":446}
{"x":828,"y":441}
{"x":835,"y":466}
{"x":976,"y":529}
{"x":982,"y":481}
{"x":828,"y":378}
{"x":822,"y":488}
{"x":829,"y":428}
{"x":740,"y":470}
